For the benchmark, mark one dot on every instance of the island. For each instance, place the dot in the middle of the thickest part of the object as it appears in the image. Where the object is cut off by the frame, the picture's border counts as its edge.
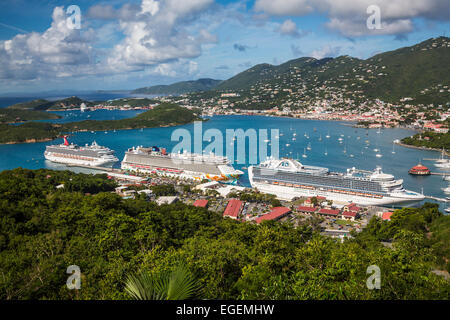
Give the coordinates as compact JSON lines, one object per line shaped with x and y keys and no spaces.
{"x":163,"y":115}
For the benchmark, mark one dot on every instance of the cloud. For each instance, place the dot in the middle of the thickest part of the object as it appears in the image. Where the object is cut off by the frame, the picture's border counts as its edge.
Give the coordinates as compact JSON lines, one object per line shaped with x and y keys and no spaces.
{"x":326,"y":51}
{"x":349,"y":17}
{"x":240,"y":47}
{"x":158,"y":34}
{"x":60,"y":51}
{"x":289,"y":28}
{"x":284,"y":7}
{"x":296,"y":51}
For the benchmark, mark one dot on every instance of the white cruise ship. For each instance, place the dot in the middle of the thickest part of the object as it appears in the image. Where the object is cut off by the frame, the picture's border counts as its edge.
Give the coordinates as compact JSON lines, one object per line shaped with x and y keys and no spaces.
{"x":184,"y":165}
{"x":288,"y":178}
{"x":90,"y":155}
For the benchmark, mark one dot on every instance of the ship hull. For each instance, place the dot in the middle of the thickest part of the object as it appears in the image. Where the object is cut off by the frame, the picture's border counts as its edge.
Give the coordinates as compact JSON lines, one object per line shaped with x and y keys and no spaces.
{"x":288,"y":193}
{"x":80,"y":162}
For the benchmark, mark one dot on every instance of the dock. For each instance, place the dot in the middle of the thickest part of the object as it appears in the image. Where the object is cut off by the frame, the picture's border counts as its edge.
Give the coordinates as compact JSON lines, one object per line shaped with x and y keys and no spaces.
{"x":437,"y":199}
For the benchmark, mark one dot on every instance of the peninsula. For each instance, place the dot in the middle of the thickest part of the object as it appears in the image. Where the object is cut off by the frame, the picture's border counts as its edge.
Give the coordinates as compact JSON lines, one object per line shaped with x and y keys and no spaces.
{"x":166,"y":114}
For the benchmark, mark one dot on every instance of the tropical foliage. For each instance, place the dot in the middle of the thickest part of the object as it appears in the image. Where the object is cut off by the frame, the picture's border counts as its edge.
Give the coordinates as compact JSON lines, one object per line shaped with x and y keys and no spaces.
{"x":45,"y":229}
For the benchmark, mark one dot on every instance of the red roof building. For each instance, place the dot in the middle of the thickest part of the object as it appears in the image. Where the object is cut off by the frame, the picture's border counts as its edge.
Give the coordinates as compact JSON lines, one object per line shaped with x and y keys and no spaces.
{"x":306,"y":209}
{"x":203,"y":203}
{"x":275,"y":214}
{"x":349,"y":215}
{"x":329,"y":212}
{"x":386,"y":216}
{"x":233,"y":209}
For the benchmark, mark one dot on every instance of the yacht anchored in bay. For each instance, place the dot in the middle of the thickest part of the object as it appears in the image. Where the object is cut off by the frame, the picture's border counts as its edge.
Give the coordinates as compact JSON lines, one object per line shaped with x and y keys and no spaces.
{"x":184,"y":165}
{"x":90,"y":155}
{"x":288,"y":178}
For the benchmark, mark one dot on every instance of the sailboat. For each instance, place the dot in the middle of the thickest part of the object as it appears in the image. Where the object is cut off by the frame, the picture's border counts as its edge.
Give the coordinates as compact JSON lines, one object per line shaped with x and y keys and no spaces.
{"x":320,"y":138}
{"x":328,"y":135}
{"x":304,"y":153}
{"x":379,"y":130}
{"x":309,"y":146}
{"x":326,"y":152}
{"x":393,"y":148}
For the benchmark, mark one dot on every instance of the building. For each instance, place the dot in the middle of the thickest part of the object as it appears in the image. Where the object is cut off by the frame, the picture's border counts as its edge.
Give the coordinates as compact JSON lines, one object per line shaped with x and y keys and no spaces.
{"x":349,"y":215}
{"x":386,"y":216}
{"x":203,"y":203}
{"x":233,"y":209}
{"x":329,"y":212}
{"x":306,"y":210}
{"x":166,"y":200}
{"x":276,"y":214}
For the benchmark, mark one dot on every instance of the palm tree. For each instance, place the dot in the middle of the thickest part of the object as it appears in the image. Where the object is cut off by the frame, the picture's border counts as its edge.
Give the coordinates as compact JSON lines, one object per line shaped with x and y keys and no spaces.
{"x":178,"y":284}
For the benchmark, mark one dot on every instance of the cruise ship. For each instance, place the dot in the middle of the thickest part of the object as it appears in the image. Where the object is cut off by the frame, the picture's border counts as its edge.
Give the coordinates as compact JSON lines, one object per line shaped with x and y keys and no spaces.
{"x":90,"y":155}
{"x":184,"y":165}
{"x":288,"y":178}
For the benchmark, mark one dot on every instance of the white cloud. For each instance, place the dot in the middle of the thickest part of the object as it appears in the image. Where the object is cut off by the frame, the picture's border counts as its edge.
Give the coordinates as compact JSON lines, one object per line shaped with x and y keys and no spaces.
{"x":326,"y":51}
{"x":59,"y":51}
{"x":349,"y":17}
{"x":284,"y":7}
{"x":158,"y":35}
{"x":288,"y":27}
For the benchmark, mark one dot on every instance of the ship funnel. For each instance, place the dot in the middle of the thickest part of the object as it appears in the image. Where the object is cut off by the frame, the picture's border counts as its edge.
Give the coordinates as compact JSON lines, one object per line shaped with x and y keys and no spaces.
{"x":66,"y":143}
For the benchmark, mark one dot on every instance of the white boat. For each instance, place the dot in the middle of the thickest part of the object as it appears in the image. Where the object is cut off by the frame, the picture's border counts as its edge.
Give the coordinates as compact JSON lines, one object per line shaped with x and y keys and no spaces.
{"x":378,"y":155}
{"x":309,"y":146}
{"x":304,"y":153}
{"x":446,"y":190}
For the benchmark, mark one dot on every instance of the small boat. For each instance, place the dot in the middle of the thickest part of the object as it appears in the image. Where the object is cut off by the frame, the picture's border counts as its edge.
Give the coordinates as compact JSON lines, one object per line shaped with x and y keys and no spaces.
{"x":446,"y":190}
{"x":309,"y":146}
{"x":287,"y":144}
{"x":320,"y":138}
{"x":378,"y":155}
{"x":447,"y":210}
{"x":328,"y":135}
{"x":304,"y":153}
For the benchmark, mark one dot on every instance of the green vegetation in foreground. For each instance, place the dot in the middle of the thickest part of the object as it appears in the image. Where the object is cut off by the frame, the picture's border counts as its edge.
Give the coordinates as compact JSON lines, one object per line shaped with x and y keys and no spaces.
{"x":166,"y":114}
{"x":16,"y":115}
{"x":436,"y":140}
{"x":112,"y":240}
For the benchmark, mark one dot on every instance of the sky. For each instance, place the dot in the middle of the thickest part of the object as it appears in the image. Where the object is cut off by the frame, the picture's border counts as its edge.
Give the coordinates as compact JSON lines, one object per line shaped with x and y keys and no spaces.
{"x":121,"y":45}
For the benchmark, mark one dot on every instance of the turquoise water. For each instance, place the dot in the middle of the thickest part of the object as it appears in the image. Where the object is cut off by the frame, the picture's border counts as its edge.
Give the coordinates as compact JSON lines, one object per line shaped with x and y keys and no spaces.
{"x":398,"y":164}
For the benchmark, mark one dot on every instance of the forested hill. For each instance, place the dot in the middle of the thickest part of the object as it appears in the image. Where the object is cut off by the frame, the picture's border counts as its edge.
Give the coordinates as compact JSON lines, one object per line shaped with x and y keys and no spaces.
{"x":42,"y":104}
{"x":45,"y":229}
{"x":421,"y":71}
{"x":180,"y":87}
{"x":165,"y":114}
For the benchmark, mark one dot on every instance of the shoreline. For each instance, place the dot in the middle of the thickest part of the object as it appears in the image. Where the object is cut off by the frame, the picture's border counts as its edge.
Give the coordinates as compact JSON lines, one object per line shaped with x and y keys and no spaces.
{"x":420,"y":148}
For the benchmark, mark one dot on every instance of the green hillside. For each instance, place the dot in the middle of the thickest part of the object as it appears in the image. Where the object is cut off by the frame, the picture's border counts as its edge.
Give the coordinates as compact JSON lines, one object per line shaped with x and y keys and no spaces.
{"x":165,"y":114}
{"x":421,"y":72}
{"x":42,"y":104}
{"x":180,"y":87}
{"x":21,"y":115}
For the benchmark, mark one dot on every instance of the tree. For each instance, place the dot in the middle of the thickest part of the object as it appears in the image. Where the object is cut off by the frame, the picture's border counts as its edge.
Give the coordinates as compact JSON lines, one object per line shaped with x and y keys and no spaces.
{"x":178,"y":284}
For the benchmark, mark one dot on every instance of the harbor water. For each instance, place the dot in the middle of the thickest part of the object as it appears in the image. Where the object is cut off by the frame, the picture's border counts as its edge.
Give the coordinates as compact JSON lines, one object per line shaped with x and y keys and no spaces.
{"x":346,"y":146}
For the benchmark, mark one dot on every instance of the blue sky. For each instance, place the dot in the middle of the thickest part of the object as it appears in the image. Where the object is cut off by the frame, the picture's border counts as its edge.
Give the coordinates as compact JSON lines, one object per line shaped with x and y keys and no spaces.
{"x":130,"y":44}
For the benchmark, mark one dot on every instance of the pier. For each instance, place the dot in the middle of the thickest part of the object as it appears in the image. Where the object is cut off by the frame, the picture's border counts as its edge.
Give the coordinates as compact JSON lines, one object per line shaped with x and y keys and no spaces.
{"x":437,"y":199}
